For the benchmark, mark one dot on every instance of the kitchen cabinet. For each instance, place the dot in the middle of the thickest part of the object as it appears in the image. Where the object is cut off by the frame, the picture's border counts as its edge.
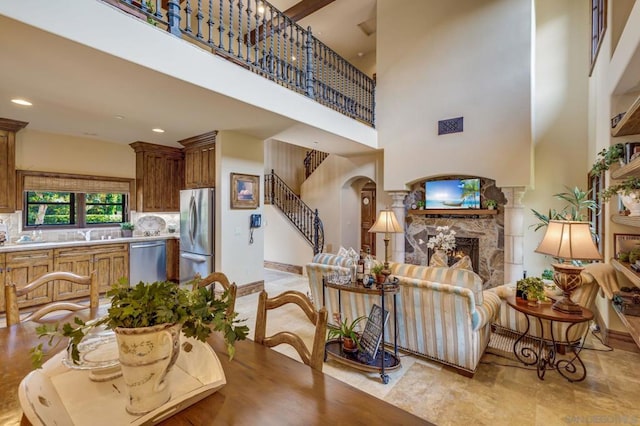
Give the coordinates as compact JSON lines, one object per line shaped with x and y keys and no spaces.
{"x":22,"y":267}
{"x":2,"y":275}
{"x":8,"y":129}
{"x":173,"y":260}
{"x":159,"y":177}
{"x":200,"y":161}
{"x":109,"y":261}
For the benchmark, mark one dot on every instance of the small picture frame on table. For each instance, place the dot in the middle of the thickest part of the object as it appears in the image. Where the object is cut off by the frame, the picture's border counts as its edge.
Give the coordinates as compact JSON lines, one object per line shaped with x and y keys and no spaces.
{"x":245,"y":191}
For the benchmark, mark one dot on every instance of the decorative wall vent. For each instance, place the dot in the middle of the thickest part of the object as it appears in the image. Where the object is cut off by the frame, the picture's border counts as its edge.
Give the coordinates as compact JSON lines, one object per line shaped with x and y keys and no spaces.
{"x":451,"y":125}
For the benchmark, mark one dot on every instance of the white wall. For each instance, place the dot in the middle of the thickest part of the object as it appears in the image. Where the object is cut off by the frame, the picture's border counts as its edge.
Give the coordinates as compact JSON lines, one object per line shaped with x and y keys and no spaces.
{"x":49,"y":152}
{"x":561,"y":120}
{"x":282,"y":241}
{"x":443,"y":59}
{"x":241,"y":261}
{"x":329,"y":190}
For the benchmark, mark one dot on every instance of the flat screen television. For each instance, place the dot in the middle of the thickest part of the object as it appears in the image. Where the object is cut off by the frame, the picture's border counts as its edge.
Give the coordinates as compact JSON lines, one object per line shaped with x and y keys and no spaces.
{"x":452,"y":194}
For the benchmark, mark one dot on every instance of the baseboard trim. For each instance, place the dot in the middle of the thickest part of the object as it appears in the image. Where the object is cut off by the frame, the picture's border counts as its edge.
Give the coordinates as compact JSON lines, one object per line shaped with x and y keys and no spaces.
{"x":250,"y":288}
{"x":616,"y":339}
{"x":284,"y":267}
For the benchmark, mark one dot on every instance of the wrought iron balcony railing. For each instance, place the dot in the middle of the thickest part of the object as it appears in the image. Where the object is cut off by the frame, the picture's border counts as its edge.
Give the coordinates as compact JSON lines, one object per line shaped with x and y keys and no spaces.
{"x":256,"y":35}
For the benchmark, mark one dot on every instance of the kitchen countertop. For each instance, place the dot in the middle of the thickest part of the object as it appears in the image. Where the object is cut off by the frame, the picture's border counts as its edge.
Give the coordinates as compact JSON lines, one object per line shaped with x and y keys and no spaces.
{"x":43,"y":245}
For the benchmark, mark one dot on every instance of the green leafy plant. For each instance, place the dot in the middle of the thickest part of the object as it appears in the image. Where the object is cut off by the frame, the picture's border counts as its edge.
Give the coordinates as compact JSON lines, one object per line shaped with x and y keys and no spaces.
{"x":547,"y":274}
{"x":533,"y":287}
{"x":628,"y":186}
{"x":149,"y":304}
{"x":420,"y":204}
{"x":346,"y":329}
{"x":377,"y":269}
{"x":607,"y":157}
{"x":579,"y":202}
{"x":127,"y":226}
{"x":491,"y":203}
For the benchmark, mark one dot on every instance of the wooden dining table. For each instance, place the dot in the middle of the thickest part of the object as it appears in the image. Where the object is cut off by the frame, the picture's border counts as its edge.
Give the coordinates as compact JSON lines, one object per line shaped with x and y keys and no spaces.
{"x":264,"y":387}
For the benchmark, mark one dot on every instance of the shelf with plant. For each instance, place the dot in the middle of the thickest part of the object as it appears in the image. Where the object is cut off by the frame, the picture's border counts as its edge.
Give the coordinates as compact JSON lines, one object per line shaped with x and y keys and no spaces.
{"x":628,"y":191}
{"x":608,"y":157}
{"x":630,"y":123}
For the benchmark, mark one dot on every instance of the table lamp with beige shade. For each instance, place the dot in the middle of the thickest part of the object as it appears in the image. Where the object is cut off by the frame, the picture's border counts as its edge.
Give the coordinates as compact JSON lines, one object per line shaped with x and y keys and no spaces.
{"x":386,"y":224}
{"x":568,"y":240}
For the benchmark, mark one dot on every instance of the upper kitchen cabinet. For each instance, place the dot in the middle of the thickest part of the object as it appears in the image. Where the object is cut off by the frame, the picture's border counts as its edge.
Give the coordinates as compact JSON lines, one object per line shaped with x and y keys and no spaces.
{"x":200,"y":160}
{"x":8,"y":129}
{"x":159,"y":177}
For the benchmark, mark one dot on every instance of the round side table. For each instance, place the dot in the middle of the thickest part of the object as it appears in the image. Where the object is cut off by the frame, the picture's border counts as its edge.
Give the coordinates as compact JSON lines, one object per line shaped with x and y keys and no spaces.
{"x":572,"y":369}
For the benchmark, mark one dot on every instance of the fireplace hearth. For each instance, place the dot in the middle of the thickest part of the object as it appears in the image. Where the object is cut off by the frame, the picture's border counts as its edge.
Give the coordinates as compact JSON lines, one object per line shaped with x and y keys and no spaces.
{"x":464,"y":247}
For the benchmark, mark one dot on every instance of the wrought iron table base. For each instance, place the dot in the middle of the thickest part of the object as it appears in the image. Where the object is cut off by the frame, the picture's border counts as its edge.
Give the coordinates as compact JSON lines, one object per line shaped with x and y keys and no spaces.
{"x":572,"y":369}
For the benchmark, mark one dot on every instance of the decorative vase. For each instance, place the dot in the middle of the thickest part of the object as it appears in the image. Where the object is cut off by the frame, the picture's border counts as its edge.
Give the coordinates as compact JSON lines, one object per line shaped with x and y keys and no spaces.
{"x":631,"y":202}
{"x":439,"y":258}
{"x":146,"y":355}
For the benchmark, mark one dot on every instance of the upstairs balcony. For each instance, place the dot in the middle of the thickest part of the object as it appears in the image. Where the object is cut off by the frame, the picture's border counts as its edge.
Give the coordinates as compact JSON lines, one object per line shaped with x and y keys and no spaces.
{"x":257,"y":36}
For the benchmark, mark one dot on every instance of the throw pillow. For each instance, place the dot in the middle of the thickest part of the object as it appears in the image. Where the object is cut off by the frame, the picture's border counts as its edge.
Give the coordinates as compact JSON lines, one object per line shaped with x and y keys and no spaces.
{"x":463,"y":263}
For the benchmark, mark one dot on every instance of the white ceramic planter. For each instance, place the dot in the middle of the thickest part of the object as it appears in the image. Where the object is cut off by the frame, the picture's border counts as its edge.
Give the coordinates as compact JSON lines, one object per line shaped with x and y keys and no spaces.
{"x":631,"y":202}
{"x":146,"y":355}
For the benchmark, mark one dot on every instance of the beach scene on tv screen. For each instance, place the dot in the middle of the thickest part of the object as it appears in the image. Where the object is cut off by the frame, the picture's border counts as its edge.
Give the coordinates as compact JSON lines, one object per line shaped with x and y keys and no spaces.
{"x":452,"y":194}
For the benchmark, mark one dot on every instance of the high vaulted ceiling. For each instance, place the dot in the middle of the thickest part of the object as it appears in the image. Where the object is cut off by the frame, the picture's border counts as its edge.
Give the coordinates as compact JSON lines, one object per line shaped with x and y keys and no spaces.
{"x":72,"y":85}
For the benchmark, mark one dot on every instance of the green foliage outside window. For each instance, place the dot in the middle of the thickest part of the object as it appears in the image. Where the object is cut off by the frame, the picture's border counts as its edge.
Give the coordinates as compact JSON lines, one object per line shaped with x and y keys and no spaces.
{"x":61,"y":208}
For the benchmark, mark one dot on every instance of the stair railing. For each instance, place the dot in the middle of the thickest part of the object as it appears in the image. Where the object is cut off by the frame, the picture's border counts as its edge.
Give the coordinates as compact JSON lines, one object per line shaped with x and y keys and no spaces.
{"x":304,"y":218}
{"x":256,"y":35}
{"x":312,"y":161}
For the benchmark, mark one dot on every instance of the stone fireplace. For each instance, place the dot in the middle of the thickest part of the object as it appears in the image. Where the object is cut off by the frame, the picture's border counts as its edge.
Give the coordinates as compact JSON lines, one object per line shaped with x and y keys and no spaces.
{"x":464,"y":247}
{"x":481,"y":236}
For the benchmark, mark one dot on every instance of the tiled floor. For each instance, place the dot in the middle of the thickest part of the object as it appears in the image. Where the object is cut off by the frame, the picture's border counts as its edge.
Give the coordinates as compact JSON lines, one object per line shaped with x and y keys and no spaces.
{"x":502,"y":391}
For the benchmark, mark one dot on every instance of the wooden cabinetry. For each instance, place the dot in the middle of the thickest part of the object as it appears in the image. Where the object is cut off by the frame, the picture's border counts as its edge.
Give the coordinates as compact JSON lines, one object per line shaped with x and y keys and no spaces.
{"x":173,"y":260}
{"x":110,"y":263}
{"x":8,"y":129}
{"x":200,"y":161}
{"x":159,"y":177}
{"x":22,"y":267}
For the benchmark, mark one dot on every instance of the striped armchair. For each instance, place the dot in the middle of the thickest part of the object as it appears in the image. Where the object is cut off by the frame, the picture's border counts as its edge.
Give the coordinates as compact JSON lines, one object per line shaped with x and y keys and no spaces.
{"x":513,"y":322}
{"x":442,"y":313}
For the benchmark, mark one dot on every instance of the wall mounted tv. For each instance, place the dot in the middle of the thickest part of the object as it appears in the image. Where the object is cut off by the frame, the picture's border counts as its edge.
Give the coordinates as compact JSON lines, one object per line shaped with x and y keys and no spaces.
{"x":452,"y":194}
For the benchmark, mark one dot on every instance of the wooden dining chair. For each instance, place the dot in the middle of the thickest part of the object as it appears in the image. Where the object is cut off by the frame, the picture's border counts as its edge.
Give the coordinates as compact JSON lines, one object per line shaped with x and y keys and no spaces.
{"x":315,"y":358}
{"x":219,"y":277}
{"x":11,"y":294}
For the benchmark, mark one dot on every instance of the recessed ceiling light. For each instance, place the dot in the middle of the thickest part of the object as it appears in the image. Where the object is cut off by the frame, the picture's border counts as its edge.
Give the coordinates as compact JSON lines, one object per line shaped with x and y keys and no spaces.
{"x":21,"y":102}
{"x":158,"y":130}
{"x":119,"y":117}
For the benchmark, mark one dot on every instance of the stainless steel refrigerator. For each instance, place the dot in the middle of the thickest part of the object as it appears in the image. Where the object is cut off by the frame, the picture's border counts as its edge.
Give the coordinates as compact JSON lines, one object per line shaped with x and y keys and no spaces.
{"x":197,"y":238}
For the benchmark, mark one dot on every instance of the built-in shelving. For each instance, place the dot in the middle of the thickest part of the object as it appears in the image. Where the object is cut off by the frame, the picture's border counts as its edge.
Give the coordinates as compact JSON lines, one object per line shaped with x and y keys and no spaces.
{"x":626,"y":220}
{"x":631,"y":322}
{"x":631,"y":169}
{"x":630,"y":123}
{"x":457,"y":212}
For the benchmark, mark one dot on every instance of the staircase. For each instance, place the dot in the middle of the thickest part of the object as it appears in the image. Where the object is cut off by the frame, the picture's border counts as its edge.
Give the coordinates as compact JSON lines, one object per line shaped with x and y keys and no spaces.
{"x":300,"y":215}
{"x":312,"y":161}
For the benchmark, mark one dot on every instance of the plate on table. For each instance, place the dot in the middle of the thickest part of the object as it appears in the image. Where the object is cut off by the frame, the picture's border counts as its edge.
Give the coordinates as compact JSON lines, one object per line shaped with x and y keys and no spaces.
{"x":56,"y":394}
{"x":97,"y":351}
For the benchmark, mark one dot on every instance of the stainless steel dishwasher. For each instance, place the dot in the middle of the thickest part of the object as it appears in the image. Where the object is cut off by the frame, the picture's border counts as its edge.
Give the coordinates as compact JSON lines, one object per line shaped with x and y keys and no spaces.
{"x":147,"y":261}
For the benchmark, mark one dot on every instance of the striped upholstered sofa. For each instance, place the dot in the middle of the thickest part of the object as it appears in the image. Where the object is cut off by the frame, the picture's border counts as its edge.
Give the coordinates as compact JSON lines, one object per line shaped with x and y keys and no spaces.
{"x":443,"y":314}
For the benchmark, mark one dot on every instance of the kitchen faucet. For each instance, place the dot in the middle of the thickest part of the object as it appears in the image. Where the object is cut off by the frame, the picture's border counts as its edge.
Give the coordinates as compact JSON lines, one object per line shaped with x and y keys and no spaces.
{"x":86,"y":234}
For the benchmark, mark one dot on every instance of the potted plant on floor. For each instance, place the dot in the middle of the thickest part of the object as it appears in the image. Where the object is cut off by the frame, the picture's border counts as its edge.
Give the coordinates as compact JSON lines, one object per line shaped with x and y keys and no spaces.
{"x":151,"y":316}
{"x":347,"y":333}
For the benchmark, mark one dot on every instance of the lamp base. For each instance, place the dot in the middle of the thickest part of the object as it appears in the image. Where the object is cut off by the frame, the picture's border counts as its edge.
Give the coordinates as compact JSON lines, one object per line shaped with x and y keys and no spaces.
{"x":567,"y":277}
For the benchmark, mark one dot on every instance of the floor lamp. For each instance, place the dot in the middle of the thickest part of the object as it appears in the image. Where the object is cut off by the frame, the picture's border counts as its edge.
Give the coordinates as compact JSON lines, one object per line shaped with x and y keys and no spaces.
{"x":386,"y":224}
{"x":568,"y":240}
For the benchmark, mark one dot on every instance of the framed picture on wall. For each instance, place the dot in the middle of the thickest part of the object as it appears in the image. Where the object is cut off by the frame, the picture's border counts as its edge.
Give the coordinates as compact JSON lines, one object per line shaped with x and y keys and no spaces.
{"x":245,"y":191}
